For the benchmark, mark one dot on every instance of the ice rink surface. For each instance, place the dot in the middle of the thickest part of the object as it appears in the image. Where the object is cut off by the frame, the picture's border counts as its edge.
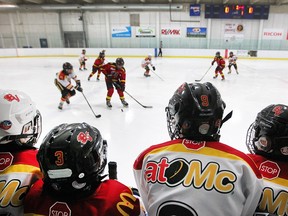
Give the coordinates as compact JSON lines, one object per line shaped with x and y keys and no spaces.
{"x":259,"y":83}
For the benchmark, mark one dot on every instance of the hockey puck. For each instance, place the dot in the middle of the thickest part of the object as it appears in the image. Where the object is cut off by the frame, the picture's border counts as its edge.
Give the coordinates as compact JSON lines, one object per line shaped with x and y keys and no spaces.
{"x":121,"y":110}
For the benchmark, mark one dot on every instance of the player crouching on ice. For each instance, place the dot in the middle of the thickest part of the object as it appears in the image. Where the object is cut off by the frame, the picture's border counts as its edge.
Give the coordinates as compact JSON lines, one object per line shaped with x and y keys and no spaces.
{"x":232,"y":62}
{"x":63,"y":83}
{"x":145,"y":64}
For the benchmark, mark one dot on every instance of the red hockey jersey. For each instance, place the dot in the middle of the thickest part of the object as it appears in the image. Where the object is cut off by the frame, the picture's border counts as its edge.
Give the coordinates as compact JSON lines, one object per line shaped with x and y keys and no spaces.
{"x":117,"y":75}
{"x":18,"y":171}
{"x":111,"y":198}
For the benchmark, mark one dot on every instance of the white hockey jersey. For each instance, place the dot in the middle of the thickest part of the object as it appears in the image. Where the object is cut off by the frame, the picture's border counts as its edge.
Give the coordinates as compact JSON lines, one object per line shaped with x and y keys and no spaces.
{"x":146,"y":62}
{"x":232,"y":59}
{"x":183,"y":177}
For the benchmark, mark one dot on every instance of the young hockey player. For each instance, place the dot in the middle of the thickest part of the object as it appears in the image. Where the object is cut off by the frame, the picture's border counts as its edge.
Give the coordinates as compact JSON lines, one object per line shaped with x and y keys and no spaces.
{"x":63,"y":83}
{"x":97,"y":65}
{"x":82,"y":60}
{"x":72,"y":158}
{"x":267,"y":141}
{"x":115,"y":76}
{"x":220,"y":65}
{"x":232,"y":62}
{"x":145,"y":64}
{"x":194,"y":173}
{"x":20,"y":128}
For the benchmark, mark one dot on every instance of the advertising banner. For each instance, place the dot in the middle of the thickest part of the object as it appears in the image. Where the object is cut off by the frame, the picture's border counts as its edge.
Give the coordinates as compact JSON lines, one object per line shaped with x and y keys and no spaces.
{"x":273,"y":34}
{"x":121,"y":32}
{"x":196,"y":32}
{"x":170,"y":32}
{"x":195,"y":10}
{"x":145,"y":31}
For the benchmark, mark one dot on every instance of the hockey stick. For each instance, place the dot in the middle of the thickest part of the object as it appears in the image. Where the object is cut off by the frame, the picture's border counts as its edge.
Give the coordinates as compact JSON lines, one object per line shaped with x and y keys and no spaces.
{"x":138,"y":101}
{"x":118,"y":86}
{"x":203,"y":75}
{"x":97,"y":116}
{"x":153,"y":71}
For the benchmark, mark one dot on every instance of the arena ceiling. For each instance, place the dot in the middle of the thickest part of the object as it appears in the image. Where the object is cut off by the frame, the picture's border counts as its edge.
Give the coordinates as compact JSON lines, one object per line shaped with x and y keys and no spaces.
{"x":89,"y":4}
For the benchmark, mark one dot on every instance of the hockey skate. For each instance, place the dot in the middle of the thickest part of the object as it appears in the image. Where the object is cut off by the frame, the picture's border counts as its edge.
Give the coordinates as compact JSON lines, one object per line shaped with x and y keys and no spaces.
{"x":108,"y":103}
{"x":85,"y":68}
{"x":98,"y":79}
{"x":223,"y":78}
{"x":89,"y":78}
{"x":67,"y":101}
{"x":125,"y":104}
{"x":147,"y":75}
{"x":229,"y":72}
{"x":214,"y":77}
{"x":237,"y":72}
{"x":60,"y":106}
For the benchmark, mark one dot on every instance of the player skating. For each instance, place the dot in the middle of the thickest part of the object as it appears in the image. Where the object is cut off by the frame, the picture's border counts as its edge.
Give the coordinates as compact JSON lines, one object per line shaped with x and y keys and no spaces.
{"x":178,"y":176}
{"x":82,"y":60}
{"x":267,"y":141}
{"x":97,"y":65}
{"x":232,"y":62}
{"x":72,"y":158}
{"x":20,"y":128}
{"x":115,"y":76}
{"x":145,"y":64}
{"x":63,"y":83}
{"x":220,"y":65}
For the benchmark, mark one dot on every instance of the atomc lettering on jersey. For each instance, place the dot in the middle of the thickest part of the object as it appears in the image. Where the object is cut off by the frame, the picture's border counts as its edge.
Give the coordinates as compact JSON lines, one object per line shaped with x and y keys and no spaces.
{"x":192,"y":173}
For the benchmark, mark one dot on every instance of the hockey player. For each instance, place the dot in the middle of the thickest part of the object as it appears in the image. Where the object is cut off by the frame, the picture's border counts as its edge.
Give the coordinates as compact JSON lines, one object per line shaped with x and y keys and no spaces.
{"x":63,"y":83}
{"x":194,"y":173}
{"x":20,"y":128}
{"x":82,"y":60}
{"x":72,"y":158}
{"x":232,"y":62}
{"x":145,"y":64}
{"x":267,"y":141}
{"x":97,"y":65}
{"x":220,"y":65}
{"x":115,"y":76}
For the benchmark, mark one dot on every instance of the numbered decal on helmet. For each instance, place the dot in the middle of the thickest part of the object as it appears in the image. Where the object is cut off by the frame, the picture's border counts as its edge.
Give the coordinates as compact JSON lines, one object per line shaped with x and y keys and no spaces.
{"x":10,"y":97}
{"x":84,"y":137}
{"x":204,"y":100}
{"x":59,"y":158}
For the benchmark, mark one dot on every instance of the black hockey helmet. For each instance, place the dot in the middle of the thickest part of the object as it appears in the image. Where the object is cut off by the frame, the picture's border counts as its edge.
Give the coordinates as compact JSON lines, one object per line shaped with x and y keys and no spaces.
{"x":120,"y":62}
{"x":72,"y":157}
{"x":231,"y":53}
{"x":218,"y":53}
{"x":83,"y":51}
{"x":67,"y":66}
{"x":102,"y":54}
{"x":195,"y":112}
{"x":268,"y":135}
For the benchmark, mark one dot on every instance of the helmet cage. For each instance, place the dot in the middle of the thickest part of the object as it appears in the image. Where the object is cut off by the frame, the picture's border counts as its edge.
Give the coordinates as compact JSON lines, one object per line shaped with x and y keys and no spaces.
{"x":268,"y":137}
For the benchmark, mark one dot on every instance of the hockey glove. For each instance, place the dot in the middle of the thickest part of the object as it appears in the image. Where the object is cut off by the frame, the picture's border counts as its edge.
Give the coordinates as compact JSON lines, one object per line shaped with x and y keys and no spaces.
{"x":78,"y":88}
{"x":153,"y":67}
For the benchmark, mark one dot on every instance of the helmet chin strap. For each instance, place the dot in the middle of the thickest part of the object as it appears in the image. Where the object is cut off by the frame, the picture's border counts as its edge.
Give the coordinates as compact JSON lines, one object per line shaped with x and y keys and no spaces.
{"x":227,"y":117}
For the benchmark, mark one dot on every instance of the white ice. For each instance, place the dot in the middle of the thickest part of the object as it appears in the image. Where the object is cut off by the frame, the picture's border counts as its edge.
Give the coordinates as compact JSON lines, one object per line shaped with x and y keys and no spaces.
{"x":259,"y":83}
